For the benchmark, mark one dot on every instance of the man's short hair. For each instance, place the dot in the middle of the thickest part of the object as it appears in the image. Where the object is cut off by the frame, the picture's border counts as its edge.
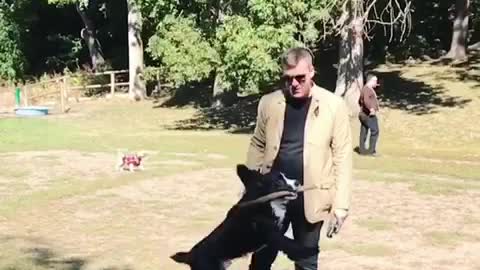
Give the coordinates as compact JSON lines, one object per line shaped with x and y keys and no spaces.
{"x":371,"y":76}
{"x":294,"y":55}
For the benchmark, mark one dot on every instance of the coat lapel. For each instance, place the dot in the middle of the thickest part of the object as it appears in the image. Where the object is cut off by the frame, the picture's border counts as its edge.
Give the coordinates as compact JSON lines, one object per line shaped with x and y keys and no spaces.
{"x":313,"y":113}
{"x":279,"y":117}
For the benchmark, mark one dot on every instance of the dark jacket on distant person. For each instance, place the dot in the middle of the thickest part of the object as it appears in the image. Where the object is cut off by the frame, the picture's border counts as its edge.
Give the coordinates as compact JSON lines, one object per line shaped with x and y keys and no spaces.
{"x":368,"y":100}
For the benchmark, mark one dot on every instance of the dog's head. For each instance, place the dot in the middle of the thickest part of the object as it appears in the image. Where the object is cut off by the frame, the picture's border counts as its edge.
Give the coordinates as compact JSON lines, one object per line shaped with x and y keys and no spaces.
{"x":257,"y":184}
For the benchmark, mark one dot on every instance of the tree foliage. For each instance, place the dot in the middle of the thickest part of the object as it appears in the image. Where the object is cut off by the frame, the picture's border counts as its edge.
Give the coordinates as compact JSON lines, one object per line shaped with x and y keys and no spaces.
{"x":241,"y":40}
{"x":249,"y":53}
{"x":11,"y":56}
{"x":184,"y":52}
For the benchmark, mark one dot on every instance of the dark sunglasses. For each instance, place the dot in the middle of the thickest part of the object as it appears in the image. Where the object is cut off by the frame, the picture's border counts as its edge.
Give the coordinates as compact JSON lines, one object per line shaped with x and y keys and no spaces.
{"x":299,"y":78}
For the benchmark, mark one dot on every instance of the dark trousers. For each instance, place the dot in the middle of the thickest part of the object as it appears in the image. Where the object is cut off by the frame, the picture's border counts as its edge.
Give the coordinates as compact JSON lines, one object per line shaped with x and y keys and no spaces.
{"x":368,"y":123}
{"x":304,"y":233}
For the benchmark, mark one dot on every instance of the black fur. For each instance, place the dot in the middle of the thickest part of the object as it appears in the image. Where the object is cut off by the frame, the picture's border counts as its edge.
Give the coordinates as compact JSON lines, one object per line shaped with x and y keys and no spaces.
{"x":245,"y":230}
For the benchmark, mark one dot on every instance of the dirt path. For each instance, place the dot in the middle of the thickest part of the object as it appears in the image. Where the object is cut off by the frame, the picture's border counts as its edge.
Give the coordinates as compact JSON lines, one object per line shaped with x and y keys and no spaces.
{"x":137,"y":226}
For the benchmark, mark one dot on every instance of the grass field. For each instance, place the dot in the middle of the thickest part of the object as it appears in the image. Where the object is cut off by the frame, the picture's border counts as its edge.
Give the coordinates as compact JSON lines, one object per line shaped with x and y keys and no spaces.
{"x":62,"y":205}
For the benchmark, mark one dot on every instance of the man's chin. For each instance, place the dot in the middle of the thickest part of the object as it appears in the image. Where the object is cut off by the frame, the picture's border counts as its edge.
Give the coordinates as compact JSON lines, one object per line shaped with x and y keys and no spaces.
{"x":299,"y":95}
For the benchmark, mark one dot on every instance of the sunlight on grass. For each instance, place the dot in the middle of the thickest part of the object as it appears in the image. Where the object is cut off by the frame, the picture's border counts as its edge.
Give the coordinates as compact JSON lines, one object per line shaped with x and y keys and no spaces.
{"x":16,"y":173}
{"x":405,"y":166}
{"x":74,"y":187}
{"x":428,"y":184}
{"x":368,"y":250}
{"x":439,"y":188}
{"x":375,"y":224}
{"x":444,"y":239}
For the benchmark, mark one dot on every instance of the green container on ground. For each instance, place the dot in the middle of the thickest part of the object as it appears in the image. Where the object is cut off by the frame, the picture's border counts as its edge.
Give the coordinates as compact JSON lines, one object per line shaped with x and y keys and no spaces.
{"x":17,"y":96}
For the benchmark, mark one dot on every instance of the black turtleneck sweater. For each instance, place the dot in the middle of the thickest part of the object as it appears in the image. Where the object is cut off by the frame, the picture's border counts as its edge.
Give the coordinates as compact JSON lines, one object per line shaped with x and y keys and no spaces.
{"x":289,"y":159}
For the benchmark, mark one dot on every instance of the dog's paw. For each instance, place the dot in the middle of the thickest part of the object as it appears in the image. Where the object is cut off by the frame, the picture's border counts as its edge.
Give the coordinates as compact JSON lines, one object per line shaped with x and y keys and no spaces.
{"x":300,"y":252}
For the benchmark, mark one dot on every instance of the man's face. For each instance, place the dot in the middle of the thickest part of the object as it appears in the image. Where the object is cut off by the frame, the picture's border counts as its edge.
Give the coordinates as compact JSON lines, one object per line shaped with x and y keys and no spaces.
{"x":298,"y":79}
{"x":373,"y":83}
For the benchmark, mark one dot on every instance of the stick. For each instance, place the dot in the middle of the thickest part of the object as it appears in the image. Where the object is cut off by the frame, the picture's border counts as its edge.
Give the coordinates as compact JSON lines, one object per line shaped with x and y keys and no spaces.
{"x":273,"y":196}
{"x":267,"y":198}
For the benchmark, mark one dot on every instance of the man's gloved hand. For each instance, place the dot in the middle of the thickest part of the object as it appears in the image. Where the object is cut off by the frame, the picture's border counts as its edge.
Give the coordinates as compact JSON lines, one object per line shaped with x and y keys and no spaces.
{"x":335,"y":223}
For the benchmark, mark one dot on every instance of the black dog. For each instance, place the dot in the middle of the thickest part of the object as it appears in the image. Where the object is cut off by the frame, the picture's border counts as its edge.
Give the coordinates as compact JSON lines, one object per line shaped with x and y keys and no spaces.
{"x":247,"y":229}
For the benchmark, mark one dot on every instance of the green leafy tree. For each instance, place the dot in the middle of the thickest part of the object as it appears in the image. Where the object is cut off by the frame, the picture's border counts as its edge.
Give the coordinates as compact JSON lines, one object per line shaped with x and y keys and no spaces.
{"x":11,"y":56}
{"x":184,"y":52}
{"x":235,"y":43}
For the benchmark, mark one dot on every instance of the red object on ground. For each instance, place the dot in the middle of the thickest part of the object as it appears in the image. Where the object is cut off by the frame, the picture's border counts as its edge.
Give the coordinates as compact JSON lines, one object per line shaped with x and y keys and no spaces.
{"x":131,"y":159}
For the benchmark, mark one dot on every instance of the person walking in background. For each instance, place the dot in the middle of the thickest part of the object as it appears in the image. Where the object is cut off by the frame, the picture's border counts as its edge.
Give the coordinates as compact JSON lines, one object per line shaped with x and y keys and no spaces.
{"x":368,"y":116}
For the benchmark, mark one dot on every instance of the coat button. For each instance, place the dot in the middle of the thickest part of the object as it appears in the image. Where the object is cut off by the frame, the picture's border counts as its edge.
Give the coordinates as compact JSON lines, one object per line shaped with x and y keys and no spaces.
{"x":275,"y":148}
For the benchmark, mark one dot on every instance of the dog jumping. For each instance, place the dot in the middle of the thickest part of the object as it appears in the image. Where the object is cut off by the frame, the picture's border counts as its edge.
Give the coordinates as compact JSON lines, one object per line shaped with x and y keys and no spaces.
{"x":249,"y":226}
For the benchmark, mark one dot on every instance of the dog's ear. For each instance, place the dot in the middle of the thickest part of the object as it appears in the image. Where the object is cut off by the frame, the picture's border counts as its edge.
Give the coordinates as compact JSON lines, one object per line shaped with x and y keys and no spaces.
{"x":182,"y":257}
{"x":245,"y":174}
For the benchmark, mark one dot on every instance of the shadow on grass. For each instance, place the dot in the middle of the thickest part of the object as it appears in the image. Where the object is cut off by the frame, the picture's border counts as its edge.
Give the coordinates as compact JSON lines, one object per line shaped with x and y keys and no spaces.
{"x":193,"y":94}
{"x":238,"y":118}
{"x":472,"y":71}
{"x":36,"y":255}
{"x":414,"y":96}
{"x":46,"y":258}
{"x":465,"y":70}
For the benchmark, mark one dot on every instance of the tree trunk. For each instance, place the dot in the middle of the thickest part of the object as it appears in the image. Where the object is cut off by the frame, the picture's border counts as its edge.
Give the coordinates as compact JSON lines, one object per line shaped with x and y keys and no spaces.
{"x":218,"y":95}
{"x":458,"y":49}
{"x":89,"y":36}
{"x":137,"y":88}
{"x":350,"y":66}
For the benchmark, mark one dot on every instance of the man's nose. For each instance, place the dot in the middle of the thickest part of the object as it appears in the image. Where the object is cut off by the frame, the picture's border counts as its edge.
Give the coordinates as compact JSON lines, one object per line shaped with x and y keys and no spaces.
{"x":295,"y":83}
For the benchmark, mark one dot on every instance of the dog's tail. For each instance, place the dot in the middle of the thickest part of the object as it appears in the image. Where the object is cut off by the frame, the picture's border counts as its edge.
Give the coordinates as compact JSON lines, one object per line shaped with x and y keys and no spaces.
{"x":182,"y":257}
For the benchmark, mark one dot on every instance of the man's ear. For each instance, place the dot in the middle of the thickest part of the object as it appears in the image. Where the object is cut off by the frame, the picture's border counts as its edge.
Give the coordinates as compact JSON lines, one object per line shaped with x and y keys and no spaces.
{"x":245,"y":174}
{"x":311,"y":74}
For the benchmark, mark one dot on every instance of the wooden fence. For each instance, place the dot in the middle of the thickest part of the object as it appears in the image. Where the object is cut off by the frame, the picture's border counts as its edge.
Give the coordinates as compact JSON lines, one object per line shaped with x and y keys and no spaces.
{"x":59,"y":90}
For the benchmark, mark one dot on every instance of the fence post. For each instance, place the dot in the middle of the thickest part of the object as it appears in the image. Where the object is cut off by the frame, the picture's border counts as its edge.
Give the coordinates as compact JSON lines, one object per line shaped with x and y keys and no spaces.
{"x":25,"y":96}
{"x":112,"y":84}
{"x":66,"y":93}
{"x":62,"y":95}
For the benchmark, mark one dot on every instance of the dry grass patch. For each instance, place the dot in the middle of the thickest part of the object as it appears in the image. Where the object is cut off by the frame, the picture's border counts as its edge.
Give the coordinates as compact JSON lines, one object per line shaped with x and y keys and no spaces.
{"x":360,"y":249}
{"x":376,"y":224}
{"x":444,"y":239}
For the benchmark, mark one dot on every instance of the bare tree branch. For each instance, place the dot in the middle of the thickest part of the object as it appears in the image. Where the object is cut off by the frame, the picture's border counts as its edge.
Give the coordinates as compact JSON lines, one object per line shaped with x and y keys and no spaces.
{"x":387,"y":14}
{"x":397,"y":14}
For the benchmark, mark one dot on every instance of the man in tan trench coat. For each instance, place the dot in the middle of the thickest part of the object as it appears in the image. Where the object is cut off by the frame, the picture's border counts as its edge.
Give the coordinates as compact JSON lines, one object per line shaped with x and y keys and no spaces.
{"x":304,"y":131}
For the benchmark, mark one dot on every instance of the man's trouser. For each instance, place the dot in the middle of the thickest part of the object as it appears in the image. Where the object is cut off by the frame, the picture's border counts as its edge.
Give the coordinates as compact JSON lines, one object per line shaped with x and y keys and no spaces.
{"x":368,"y":123}
{"x":304,"y":233}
